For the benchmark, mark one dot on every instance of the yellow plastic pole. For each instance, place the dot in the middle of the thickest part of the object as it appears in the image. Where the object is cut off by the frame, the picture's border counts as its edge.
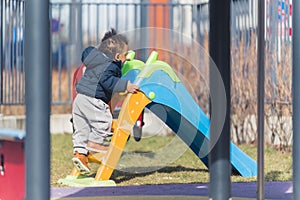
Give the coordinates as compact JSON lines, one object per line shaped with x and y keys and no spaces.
{"x":132,"y":107}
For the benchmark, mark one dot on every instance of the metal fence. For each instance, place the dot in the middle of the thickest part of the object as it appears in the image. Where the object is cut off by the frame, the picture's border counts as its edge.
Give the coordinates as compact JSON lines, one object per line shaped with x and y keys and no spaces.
{"x":12,"y":79}
{"x":78,"y":23}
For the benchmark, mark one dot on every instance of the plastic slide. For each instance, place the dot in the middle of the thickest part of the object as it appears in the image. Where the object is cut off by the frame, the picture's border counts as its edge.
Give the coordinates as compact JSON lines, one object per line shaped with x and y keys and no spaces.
{"x":160,"y":87}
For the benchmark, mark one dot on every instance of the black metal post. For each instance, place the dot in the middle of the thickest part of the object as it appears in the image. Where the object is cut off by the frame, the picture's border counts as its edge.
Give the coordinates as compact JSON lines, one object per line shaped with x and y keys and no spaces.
{"x":219,"y":48}
{"x":37,"y":85}
{"x":260,"y":99}
{"x":296,"y":99}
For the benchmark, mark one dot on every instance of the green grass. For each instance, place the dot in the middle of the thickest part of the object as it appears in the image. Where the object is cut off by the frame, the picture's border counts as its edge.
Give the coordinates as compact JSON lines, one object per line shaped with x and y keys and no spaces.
{"x":158,"y":152}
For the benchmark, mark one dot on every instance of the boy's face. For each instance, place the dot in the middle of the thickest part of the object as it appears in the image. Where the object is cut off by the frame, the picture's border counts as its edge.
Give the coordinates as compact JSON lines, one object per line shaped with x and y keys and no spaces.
{"x":122,"y":56}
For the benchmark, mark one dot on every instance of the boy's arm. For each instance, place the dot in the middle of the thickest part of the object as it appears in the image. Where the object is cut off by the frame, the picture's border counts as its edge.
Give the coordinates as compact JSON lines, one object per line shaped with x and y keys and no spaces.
{"x":111,"y":81}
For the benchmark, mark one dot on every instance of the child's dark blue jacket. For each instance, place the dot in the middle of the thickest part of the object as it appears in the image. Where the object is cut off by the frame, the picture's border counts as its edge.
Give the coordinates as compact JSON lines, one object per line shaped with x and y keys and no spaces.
{"x":102,"y":76}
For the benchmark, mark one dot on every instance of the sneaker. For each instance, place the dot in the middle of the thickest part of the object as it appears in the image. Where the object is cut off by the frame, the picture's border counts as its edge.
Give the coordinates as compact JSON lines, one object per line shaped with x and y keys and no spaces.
{"x":96,"y":147}
{"x":137,"y":133}
{"x":107,"y":140}
{"x":97,"y":151}
{"x":80,"y":161}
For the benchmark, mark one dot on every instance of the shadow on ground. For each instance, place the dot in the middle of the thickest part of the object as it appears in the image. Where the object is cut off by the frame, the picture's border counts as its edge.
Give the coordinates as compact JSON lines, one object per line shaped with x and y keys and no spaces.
{"x":121,"y":176}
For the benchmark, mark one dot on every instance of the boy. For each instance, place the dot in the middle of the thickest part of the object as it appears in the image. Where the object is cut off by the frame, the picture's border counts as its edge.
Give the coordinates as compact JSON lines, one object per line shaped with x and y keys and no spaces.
{"x":91,"y":114}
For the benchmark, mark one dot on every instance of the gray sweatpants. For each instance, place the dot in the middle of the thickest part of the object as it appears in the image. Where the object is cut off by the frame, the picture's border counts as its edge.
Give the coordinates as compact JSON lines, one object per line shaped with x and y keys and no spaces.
{"x":92,"y":121}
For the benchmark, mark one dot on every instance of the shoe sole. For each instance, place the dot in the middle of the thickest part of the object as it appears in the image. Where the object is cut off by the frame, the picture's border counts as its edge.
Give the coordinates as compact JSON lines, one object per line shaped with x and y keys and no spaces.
{"x":80,"y":167}
{"x":137,"y":133}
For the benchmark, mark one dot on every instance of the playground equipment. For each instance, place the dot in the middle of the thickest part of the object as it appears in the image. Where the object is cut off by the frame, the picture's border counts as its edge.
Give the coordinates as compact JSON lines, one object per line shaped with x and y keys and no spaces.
{"x":12,"y":164}
{"x":159,"y":86}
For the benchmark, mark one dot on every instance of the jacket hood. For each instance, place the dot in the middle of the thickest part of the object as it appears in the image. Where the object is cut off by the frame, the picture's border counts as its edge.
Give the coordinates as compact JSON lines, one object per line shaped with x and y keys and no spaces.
{"x":93,"y":57}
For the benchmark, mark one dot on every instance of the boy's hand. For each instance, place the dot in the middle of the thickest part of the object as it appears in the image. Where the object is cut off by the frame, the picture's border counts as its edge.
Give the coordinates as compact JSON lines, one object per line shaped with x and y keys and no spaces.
{"x":132,"y":88}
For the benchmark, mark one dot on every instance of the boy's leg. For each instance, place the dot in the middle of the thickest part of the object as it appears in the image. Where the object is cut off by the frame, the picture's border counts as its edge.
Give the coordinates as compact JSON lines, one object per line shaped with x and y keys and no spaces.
{"x":81,"y":126}
{"x":100,"y":127}
{"x":80,"y":135}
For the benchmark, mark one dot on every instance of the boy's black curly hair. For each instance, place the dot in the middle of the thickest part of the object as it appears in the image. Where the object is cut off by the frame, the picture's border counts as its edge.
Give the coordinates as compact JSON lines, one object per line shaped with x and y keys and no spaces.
{"x":112,"y":43}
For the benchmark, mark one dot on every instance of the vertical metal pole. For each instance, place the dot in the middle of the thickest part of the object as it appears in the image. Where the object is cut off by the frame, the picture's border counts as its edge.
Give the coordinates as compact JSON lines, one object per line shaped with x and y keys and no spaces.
{"x":1,"y":51}
{"x":37,"y":80}
{"x":145,"y":6}
{"x":260,"y":100}
{"x":80,"y":34}
{"x":75,"y":33}
{"x":171,"y":15}
{"x":296,"y":99}
{"x":219,"y":48}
